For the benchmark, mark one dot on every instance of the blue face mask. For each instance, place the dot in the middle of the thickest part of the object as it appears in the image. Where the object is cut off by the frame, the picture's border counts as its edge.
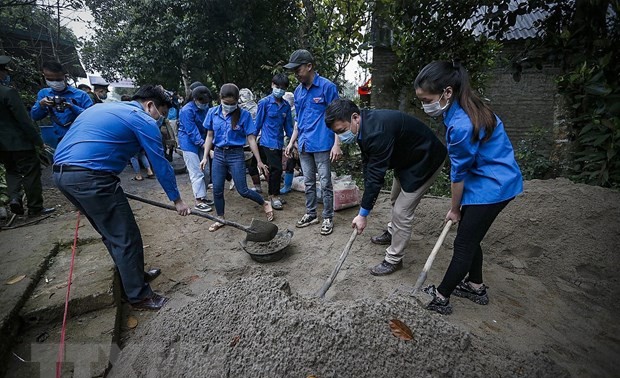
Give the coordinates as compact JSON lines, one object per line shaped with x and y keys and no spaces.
{"x":229,"y":108}
{"x":160,"y":121}
{"x":277,"y":92}
{"x":6,"y":81}
{"x":201,"y":106}
{"x":347,"y":137}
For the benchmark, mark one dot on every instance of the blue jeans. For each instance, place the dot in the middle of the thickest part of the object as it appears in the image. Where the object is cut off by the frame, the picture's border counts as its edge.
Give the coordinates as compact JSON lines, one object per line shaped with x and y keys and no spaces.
{"x":230,"y":161}
{"x":99,"y":196}
{"x":143,"y":159}
{"x":311,"y":162}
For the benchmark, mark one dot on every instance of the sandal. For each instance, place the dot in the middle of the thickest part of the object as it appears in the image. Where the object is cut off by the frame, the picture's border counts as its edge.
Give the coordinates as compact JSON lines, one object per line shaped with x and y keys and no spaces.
{"x":150,"y":176}
{"x":276,"y":204}
{"x":136,"y":178}
{"x":216,"y":226}
{"x":268,"y":210}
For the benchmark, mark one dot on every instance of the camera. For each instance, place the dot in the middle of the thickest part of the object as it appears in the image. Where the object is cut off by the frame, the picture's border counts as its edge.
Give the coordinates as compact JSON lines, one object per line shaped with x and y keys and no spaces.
{"x":60,"y":103}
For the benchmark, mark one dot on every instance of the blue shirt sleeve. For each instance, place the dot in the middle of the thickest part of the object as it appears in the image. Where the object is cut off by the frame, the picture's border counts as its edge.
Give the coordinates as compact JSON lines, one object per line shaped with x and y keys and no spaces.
{"x":331,"y":93}
{"x":461,"y":149}
{"x":38,"y":112}
{"x":247,"y":123}
{"x":208,"y":122}
{"x":83,"y":101}
{"x":260,"y":115}
{"x":187,"y":120}
{"x":149,"y":137}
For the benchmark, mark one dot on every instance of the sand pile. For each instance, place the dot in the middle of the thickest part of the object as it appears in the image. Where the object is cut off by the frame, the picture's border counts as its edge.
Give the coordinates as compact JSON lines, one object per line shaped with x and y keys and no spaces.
{"x":256,"y":328}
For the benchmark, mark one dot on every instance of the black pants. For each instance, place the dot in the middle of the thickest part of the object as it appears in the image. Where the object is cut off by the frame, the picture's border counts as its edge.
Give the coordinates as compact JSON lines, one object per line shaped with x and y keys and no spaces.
{"x":24,"y":169}
{"x":467,"y":258}
{"x":101,"y":199}
{"x":274,"y":161}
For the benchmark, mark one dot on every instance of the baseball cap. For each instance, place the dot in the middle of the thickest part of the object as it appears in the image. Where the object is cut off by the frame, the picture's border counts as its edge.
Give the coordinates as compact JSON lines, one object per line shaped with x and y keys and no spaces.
{"x":299,"y":57}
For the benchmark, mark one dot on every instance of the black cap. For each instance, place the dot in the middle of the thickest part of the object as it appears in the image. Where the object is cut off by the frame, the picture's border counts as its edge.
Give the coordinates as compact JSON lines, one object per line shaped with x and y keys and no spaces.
{"x":298,"y":58}
{"x":195,"y":85}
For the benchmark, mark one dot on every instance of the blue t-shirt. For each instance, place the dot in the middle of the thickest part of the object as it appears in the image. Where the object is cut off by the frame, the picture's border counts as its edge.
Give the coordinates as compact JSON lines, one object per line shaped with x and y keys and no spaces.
{"x":489,"y":169}
{"x":191,"y":133}
{"x":106,"y":136}
{"x":61,"y":120}
{"x":310,"y":105}
{"x":272,"y":120}
{"x":224,"y":135}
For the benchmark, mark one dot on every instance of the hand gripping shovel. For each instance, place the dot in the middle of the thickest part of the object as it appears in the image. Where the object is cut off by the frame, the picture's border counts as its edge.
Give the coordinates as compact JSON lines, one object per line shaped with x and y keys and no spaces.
{"x":431,"y":258}
{"x":259,"y":231}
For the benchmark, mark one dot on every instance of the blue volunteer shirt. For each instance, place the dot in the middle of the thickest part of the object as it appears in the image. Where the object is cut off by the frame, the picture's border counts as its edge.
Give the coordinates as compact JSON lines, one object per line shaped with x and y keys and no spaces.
{"x":310,"y":105}
{"x":272,"y":120}
{"x":106,"y":136}
{"x":61,"y":120}
{"x":489,"y":169}
{"x":224,"y":135}
{"x":191,"y":133}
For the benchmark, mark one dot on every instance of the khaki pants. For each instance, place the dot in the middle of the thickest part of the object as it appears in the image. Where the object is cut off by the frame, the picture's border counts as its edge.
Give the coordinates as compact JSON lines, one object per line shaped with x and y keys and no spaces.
{"x":403,"y":207}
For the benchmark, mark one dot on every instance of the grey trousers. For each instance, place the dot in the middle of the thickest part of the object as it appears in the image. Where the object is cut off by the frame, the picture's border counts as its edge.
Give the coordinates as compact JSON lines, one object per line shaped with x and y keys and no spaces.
{"x":313,"y":163}
{"x":403,"y":207}
{"x":99,"y":196}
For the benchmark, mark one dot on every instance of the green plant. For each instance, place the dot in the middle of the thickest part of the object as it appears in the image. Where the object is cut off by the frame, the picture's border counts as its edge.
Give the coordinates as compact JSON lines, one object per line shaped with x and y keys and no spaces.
{"x":441,"y":186}
{"x":532,"y":154}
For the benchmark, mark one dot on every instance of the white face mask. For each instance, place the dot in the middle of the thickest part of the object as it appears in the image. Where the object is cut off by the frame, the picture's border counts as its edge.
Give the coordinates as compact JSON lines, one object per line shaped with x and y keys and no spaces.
{"x":435,"y":109}
{"x":57,"y":86}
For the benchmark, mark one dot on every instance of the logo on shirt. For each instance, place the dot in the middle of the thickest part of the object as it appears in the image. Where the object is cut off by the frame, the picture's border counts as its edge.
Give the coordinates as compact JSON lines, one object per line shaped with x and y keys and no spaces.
{"x":317,"y":100}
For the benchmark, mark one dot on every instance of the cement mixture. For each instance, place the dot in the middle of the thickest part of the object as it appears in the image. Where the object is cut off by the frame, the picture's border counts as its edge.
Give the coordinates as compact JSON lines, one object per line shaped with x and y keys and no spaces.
{"x":255,"y":327}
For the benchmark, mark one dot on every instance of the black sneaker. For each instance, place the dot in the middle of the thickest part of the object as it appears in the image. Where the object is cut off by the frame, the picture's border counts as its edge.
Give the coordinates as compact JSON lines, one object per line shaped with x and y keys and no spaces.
{"x":203,"y":207}
{"x":386,"y":268}
{"x":307,"y":220}
{"x":209,"y":202}
{"x":40,"y":212}
{"x":383,"y":239}
{"x":465,"y":290}
{"x":16,"y":206}
{"x":442,"y":306}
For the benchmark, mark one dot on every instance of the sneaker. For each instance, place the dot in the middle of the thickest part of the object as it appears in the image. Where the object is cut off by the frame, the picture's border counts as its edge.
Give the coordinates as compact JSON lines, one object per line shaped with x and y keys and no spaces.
{"x":327,"y":227}
{"x":209,"y":202}
{"x":307,"y":220}
{"x":465,"y":290}
{"x":232,"y":185}
{"x":40,"y":212}
{"x":439,"y":305}
{"x":203,"y":207}
{"x":384,"y":239}
{"x":257,"y":189}
{"x":16,"y":206}
{"x":386,"y":268}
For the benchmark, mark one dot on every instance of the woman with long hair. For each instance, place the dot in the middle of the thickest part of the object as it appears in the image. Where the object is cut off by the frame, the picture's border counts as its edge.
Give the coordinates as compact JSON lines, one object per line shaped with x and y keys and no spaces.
{"x":228,"y":129}
{"x":484,"y":175}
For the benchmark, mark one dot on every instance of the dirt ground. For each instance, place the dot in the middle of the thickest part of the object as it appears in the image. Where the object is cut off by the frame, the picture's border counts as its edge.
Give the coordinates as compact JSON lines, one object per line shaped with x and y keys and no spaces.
{"x":551,"y":262}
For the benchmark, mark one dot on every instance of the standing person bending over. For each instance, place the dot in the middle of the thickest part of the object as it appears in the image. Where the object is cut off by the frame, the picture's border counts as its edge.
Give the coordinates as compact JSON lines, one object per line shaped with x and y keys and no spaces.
{"x":272,"y":121}
{"x":61,"y":102}
{"x":229,"y":128}
{"x":389,"y":139}
{"x":192,"y":135}
{"x":484,"y":174}
{"x":317,"y":144}
{"x":86,"y":167}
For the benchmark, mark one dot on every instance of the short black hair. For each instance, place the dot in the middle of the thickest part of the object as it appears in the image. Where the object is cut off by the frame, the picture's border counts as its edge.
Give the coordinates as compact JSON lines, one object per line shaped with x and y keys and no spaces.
{"x":157,"y":94}
{"x":84,"y":87}
{"x":281,"y":80}
{"x":202,"y":94}
{"x":53,"y":66}
{"x":125,"y":97}
{"x":340,"y":109}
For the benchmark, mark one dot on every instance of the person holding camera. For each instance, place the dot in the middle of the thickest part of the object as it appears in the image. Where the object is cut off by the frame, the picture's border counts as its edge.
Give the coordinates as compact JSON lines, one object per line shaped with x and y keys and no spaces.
{"x":61,"y":102}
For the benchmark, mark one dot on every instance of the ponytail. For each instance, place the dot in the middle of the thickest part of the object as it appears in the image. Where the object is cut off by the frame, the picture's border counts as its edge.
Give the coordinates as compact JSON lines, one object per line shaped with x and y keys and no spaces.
{"x":435,"y":77}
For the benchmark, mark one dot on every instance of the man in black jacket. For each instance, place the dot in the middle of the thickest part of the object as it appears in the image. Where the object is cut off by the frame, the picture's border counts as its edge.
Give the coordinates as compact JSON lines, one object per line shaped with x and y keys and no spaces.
{"x":389,"y":139}
{"x":18,"y":139}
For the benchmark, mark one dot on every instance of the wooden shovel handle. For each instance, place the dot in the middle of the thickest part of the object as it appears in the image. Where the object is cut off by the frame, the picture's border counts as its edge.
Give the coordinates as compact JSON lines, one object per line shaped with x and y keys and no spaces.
{"x":431,"y":257}
{"x":343,"y":256}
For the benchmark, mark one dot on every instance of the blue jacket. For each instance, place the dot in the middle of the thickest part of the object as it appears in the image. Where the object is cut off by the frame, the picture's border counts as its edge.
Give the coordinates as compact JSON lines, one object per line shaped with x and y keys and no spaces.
{"x":489,"y":169}
{"x":223,"y":133}
{"x":272,"y":120}
{"x":61,"y":120}
{"x":106,"y":136}
{"x":310,"y":105}
{"x":191,"y":132}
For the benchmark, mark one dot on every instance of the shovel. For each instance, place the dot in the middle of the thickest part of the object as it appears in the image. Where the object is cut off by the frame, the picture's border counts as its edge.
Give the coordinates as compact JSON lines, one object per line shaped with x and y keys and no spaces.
{"x":259,"y":231}
{"x":431,"y":258}
{"x":343,"y":256}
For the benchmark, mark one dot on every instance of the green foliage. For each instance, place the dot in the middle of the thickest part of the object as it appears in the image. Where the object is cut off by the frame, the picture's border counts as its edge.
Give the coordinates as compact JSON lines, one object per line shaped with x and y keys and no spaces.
{"x":441,"y":186}
{"x":532,"y":154}
{"x":3,"y":194}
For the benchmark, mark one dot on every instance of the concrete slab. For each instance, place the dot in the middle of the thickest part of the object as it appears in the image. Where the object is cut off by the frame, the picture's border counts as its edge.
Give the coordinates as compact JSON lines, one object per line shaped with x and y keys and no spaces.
{"x":88,"y":347}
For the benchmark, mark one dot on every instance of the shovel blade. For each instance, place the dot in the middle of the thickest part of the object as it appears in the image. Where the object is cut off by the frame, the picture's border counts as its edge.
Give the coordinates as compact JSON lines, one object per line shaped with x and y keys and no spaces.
{"x":262,"y":231}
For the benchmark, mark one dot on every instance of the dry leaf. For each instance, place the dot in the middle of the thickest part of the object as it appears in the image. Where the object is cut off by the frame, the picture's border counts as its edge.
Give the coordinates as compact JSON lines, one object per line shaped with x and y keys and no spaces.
{"x":311,"y":376}
{"x":400,"y":330}
{"x":235,"y":340}
{"x":132,"y":322}
{"x":15,"y":279}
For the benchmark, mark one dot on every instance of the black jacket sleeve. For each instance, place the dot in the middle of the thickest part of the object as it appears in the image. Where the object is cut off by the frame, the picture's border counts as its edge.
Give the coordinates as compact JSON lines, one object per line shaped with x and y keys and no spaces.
{"x":376,"y":155}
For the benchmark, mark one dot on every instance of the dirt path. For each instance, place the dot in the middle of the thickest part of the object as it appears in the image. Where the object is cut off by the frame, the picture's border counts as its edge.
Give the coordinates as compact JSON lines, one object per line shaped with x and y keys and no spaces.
{"x":551,"y":263}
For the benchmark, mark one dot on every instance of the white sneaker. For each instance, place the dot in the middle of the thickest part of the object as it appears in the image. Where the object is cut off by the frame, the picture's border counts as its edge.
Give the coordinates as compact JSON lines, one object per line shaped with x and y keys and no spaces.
{"x":203,"y":207}
{"x":232,"y":185}
{"x":327,"y":227}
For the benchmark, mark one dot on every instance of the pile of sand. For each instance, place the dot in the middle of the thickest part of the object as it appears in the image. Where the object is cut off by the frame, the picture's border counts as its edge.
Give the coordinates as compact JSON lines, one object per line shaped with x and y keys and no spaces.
{"x":256,"y":327}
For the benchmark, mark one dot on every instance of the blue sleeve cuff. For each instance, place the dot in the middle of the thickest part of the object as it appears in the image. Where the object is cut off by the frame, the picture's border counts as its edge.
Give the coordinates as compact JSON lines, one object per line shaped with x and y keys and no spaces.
{"x":364,"y":212}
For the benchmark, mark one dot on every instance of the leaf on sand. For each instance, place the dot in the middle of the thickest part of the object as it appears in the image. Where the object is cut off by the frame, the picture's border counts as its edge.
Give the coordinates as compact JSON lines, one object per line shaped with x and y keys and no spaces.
{"x":235,"y":340}
{"x":132,"y":322}
{"x":15,"y":279}
{"x":400,"y":330}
